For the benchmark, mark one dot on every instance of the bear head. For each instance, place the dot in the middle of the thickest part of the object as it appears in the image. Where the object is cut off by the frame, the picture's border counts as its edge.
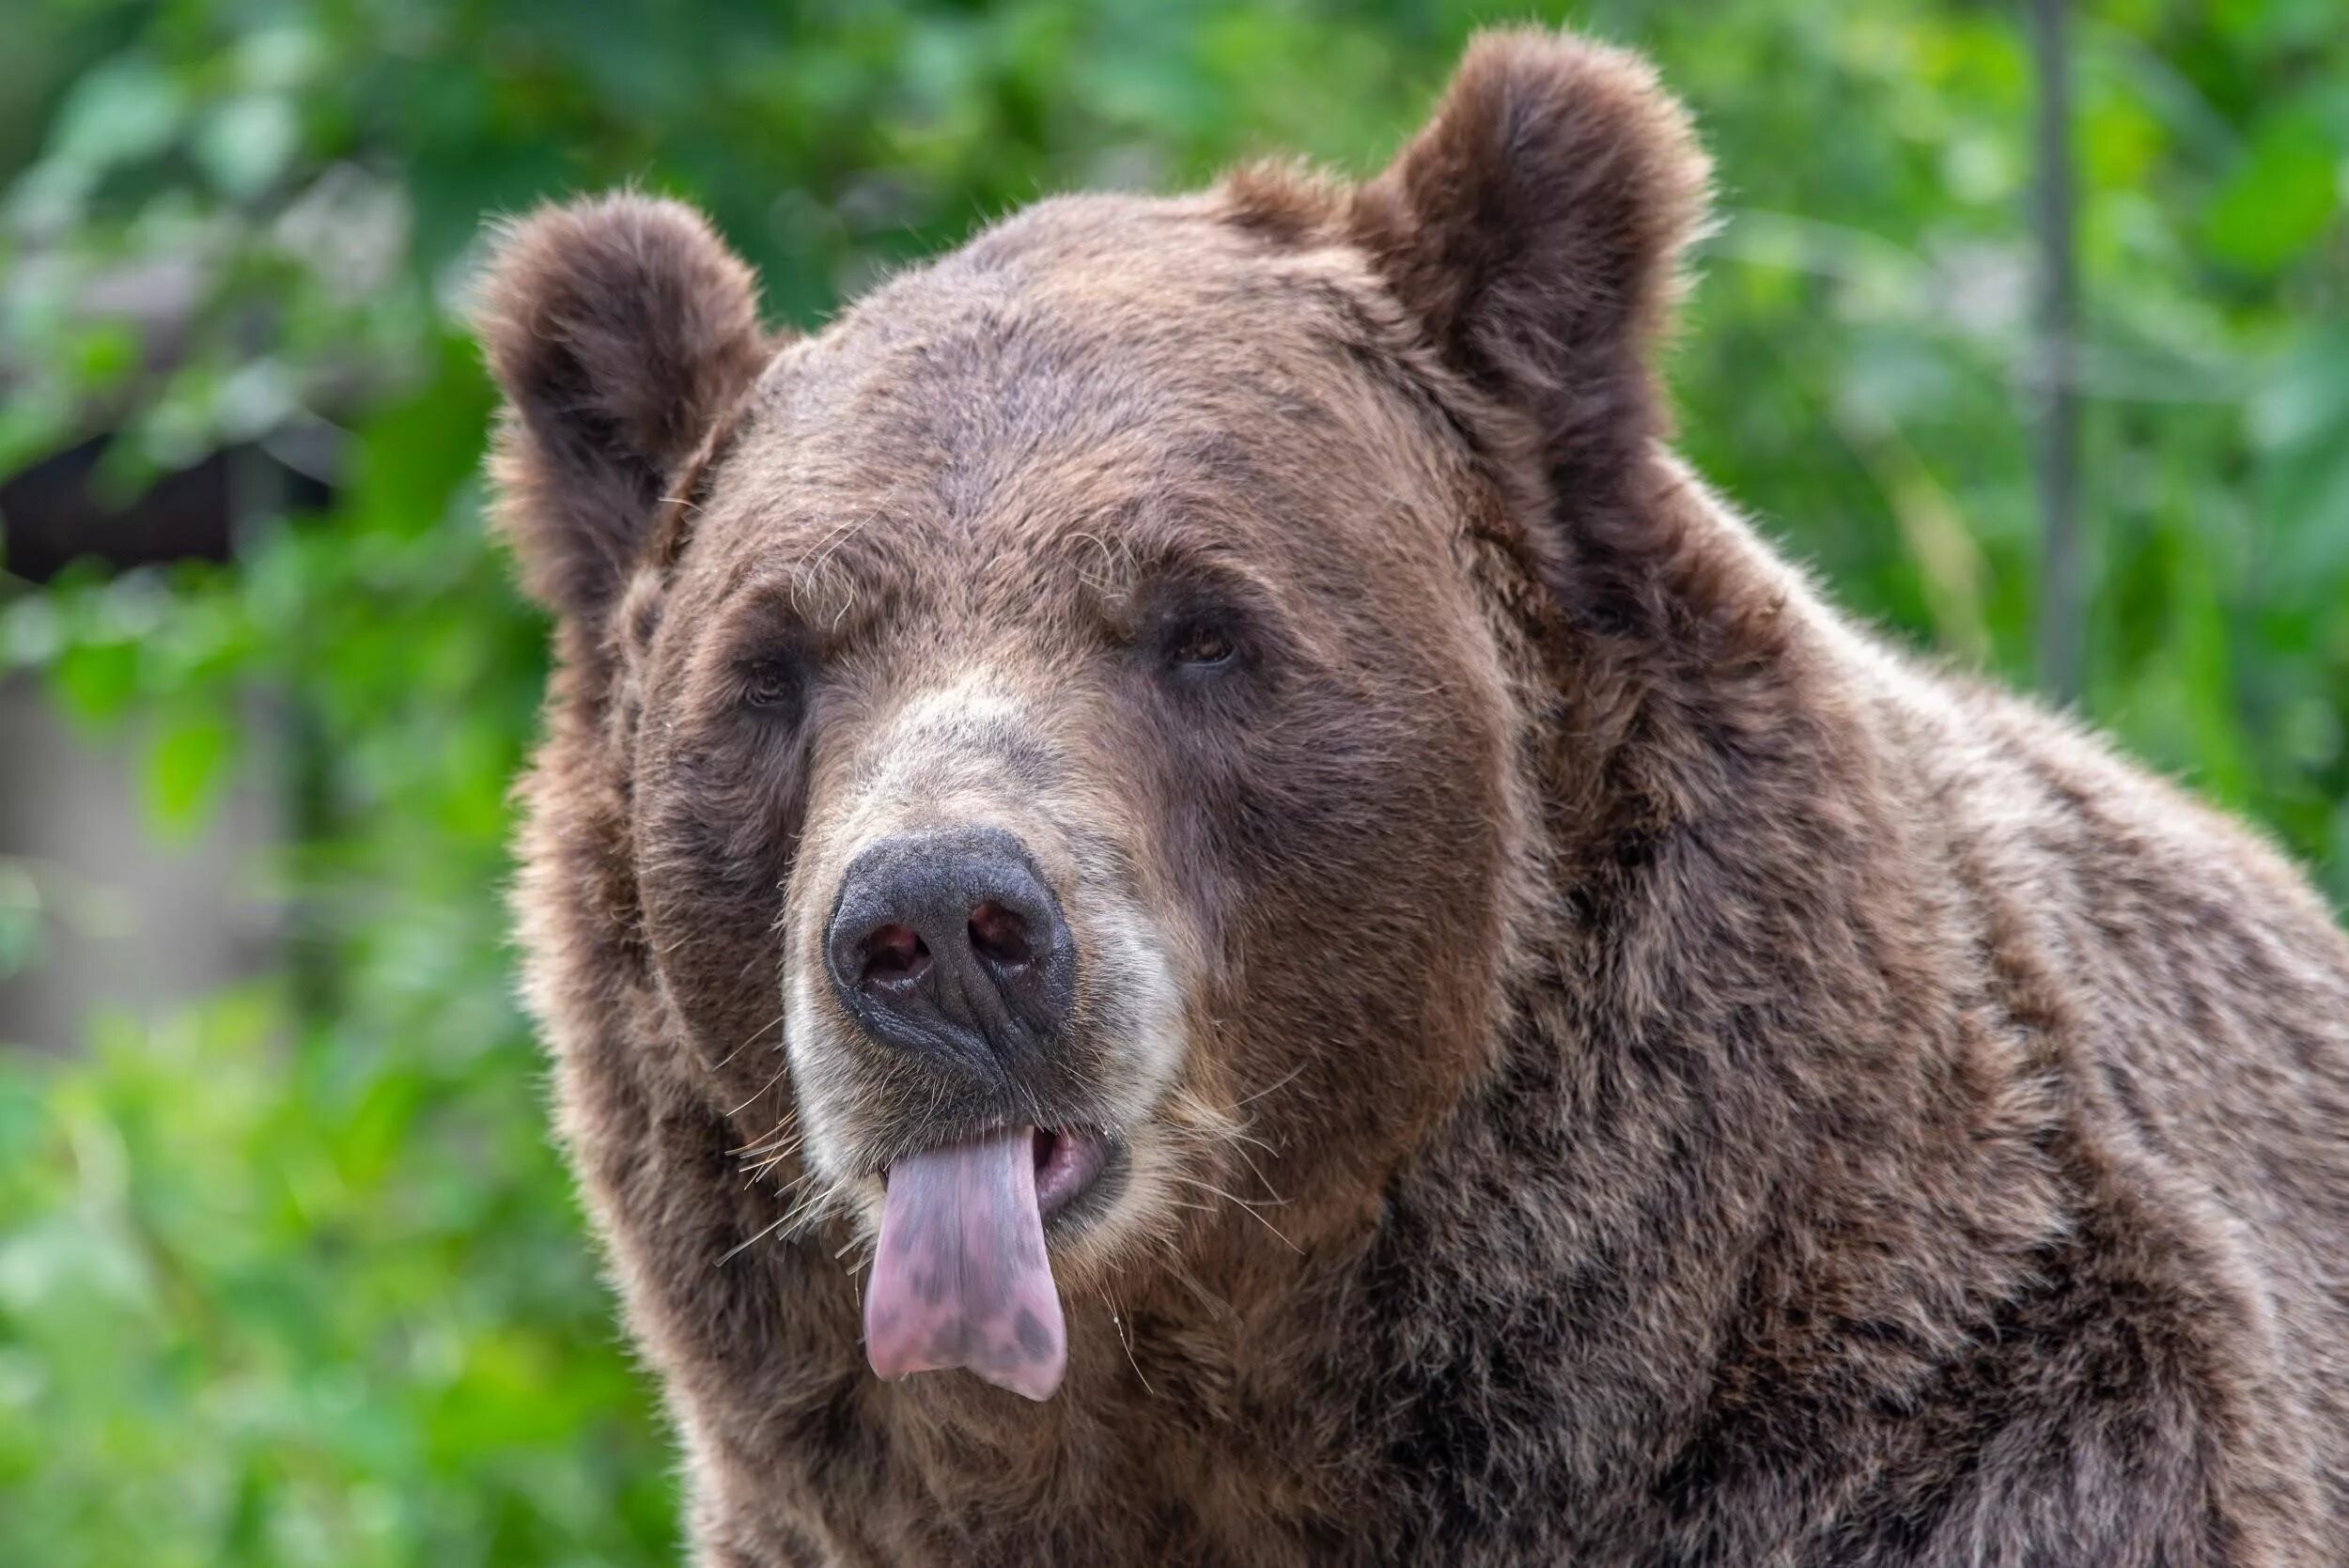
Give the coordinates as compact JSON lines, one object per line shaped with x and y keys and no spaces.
{"x":1052,"y":750}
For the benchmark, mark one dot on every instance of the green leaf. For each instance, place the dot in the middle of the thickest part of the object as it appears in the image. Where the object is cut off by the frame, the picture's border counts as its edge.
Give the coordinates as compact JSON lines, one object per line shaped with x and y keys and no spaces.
{"x":97,"y":680}
{"x":127,"y":109}
{"x":2279,"y":201}
{"x":246,"y":144}
{"x":187,"y":762}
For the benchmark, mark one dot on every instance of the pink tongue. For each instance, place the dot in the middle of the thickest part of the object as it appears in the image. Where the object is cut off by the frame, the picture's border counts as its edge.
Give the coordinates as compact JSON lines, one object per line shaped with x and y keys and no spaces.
{"x":961,"y":1278}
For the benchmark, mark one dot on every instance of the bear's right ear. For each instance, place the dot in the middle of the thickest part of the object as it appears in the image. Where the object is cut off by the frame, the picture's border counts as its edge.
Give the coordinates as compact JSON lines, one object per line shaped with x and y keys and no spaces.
{"x":621,"y":330}
{"x":1534,"y":228}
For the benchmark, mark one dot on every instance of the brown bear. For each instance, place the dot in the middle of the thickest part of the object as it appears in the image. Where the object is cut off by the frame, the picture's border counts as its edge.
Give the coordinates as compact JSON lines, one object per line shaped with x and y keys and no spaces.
{"x":1194,"y":907}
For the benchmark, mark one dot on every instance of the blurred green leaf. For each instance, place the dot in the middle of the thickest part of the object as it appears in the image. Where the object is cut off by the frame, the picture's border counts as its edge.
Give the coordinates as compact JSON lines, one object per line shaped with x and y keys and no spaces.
{"x":246,"y":143}
{"x":187,"y":762}
{"x":2286,"y":194}
{"x":127,"y":109}
{"x":97,"y":680}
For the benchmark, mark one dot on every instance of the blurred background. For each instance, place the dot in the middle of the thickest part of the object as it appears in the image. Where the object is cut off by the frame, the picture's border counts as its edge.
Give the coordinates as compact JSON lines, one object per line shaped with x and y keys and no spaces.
{"x":288,"y":1271}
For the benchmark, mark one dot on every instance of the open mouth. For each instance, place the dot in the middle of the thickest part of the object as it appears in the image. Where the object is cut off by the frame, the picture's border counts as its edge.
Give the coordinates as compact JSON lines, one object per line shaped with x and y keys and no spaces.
{"x":1068,"y":1161}
{"x":1070,"y":1164}
{"x":960,"y":1274}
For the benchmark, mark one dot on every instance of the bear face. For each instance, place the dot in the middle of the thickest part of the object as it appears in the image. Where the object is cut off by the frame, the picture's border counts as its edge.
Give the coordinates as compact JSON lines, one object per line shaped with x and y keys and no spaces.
{"x":1078,"y":701}
{"x":1132,"y":631}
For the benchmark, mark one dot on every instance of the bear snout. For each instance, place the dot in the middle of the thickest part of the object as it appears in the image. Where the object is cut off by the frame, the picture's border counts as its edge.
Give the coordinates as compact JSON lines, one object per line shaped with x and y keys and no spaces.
{"x":948,"y":946}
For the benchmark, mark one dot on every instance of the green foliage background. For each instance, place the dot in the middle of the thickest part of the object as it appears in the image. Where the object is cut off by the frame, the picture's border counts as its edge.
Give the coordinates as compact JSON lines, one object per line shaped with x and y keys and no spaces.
{"x":293,"y":1277}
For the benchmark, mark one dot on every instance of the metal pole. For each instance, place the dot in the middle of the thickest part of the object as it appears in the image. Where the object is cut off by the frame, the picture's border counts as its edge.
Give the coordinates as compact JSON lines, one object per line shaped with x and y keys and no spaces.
{"x":2063,"y":593}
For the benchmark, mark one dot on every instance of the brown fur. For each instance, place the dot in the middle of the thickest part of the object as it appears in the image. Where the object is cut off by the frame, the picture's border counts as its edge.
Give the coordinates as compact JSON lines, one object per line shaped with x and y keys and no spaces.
{"x":1732,"y":1096}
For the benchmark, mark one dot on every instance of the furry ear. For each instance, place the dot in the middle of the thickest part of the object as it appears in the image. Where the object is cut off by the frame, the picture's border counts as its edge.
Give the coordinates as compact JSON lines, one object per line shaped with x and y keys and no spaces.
{"x":1534,"y":228}
{"x":621,"y":330}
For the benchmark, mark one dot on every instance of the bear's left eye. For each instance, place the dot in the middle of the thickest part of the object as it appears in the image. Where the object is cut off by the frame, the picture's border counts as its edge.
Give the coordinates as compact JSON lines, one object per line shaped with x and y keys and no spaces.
{"x":771,"y":686}
{"x":1201,"y":645}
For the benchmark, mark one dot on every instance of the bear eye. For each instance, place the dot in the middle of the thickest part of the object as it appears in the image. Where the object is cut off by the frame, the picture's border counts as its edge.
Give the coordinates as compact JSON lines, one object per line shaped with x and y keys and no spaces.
{"x":1201,"y":645}
{"x":771,"y":686}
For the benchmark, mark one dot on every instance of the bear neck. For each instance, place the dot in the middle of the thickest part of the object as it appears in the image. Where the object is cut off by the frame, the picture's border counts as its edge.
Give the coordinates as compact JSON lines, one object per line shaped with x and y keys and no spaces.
{"x":1740,"y":1106}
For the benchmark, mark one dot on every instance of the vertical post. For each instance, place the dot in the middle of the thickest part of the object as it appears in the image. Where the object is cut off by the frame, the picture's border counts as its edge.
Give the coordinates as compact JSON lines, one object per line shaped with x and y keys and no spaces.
{"x":2063,"y":593}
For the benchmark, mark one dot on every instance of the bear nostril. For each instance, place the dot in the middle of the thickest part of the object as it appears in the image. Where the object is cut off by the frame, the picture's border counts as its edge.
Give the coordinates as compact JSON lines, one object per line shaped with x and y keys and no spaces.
{"x":894,"y":954}
{"x":1000,"y":936}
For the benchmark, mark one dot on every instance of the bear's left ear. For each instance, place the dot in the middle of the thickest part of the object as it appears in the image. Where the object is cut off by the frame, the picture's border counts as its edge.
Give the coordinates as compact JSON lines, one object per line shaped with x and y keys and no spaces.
{"x":621,"y":330}
{"x":1534,"y":228}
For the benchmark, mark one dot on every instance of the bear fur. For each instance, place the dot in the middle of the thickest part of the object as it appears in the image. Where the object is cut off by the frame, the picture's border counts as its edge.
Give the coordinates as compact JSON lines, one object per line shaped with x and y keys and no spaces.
{"x":1664,"y":1078}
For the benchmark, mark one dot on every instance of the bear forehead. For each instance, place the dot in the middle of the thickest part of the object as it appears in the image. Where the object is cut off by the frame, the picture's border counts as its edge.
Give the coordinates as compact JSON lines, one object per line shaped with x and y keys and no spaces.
{"x":1144,"y":368}
{"x":1085,"y":284}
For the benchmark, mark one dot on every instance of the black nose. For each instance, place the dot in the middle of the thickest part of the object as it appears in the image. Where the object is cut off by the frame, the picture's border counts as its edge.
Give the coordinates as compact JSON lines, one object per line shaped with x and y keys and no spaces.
{"x":949,"y":944}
